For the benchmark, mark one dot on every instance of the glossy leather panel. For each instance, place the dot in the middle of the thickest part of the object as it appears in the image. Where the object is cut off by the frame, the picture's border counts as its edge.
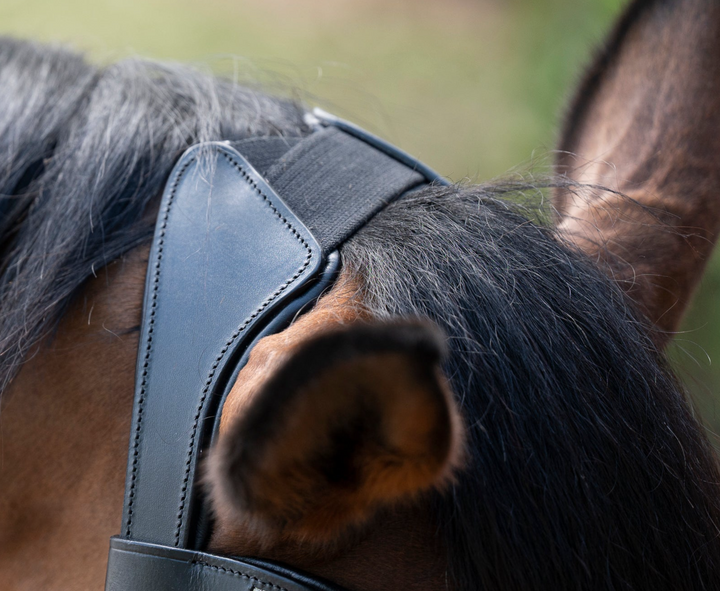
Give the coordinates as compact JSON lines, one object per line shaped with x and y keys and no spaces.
{"x":227,"y":253}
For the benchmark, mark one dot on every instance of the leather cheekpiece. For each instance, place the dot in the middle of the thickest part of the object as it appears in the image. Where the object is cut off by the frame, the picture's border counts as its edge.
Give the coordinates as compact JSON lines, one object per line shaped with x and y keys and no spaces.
{"x":227,"y":253}
{"x":230,"y":263}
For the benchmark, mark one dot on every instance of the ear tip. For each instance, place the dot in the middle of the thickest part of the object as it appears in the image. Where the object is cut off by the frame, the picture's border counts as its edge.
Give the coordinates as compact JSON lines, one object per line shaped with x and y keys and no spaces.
{"x":418,"y":336}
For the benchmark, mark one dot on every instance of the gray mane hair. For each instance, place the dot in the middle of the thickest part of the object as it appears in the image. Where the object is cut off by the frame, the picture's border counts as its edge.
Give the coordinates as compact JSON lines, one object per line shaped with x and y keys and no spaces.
{"x":83,"y":151}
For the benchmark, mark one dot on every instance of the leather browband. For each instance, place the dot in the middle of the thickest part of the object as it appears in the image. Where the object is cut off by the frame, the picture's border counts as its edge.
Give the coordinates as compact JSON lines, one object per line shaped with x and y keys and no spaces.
{"x":232,"y":261}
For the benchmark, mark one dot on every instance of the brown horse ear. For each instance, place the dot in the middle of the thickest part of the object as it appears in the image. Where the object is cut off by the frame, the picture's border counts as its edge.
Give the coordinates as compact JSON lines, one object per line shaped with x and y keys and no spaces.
{"x":646,"y":123}
{"x":356,"y":419}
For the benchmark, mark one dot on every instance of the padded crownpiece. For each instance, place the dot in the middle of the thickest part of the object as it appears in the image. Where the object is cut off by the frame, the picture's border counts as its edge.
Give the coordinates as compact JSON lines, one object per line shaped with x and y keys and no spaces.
{"x":227,"y":252}
{"x":232,"y":261}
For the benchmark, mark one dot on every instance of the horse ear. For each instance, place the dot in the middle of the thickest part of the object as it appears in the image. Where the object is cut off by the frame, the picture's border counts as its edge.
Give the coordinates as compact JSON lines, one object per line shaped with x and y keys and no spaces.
{"x":646,"y":124}
{"x":355,"y":419}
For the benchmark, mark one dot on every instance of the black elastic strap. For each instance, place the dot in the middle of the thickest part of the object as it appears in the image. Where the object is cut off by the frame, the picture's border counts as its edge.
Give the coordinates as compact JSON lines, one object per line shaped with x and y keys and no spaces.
{"x":335,"y":182}
{"x":264,"y":152}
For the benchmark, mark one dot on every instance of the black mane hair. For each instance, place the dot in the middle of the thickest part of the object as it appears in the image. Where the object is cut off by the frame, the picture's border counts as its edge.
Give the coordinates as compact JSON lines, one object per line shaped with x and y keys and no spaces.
{"x":586,"y":468}
{"x":83,"y":152}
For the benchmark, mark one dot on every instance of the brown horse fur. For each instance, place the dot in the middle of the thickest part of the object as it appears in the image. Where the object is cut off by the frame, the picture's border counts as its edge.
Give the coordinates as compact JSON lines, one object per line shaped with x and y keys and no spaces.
{"x":66,"y":453}
{"x":67,"y":488}
{"x":646,"y":123}
{"x":317,"y":523}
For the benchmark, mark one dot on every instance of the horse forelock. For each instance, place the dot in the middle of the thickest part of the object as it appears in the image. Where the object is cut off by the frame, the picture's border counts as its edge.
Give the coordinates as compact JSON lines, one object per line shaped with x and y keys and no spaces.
{"x":83,"y":152}
{"x":582,"y":453}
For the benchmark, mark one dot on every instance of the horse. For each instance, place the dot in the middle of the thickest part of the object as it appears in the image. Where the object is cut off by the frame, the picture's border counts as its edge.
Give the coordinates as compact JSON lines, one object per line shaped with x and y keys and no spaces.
{"x":507,"y":417}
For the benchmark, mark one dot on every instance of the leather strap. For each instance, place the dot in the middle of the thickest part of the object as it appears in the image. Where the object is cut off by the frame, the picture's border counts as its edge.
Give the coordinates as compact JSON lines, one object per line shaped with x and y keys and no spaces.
{"x":227,"y":252}
{"x":230,"y":262}
{"x":147,"y":567}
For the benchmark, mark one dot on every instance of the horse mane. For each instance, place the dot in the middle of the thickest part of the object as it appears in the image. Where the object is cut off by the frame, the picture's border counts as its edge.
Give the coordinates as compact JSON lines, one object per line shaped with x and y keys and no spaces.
{"x":585,"y":467}
{"x":83,"y":151}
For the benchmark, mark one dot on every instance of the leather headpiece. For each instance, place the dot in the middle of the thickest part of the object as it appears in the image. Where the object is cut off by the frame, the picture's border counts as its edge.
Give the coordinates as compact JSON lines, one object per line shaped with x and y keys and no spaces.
{"x":247,"y":236}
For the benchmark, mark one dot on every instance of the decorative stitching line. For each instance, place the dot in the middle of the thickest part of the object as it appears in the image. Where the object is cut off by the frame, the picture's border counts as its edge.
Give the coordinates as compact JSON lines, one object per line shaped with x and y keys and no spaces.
{"x":237,"y":573}
{"x":148,"y":348}
{"x":240,"y":329}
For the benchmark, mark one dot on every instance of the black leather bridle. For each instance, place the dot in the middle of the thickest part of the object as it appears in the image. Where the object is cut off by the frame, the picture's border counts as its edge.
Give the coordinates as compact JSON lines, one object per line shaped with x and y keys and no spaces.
{"x":246,"y":237}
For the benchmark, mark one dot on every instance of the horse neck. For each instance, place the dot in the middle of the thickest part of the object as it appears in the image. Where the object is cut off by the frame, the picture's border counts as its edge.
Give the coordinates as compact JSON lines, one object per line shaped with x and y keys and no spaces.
{"x":65,"y":427}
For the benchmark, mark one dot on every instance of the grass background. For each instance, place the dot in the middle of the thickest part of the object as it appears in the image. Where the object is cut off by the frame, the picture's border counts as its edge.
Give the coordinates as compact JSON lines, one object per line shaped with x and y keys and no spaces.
{"x":475,"y":88}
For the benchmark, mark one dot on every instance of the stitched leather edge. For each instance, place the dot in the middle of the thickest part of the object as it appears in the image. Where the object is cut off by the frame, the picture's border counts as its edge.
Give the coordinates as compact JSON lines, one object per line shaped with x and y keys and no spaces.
{"x":235,"y":573}
{"x":148,"y":347}
{"x":236,"y":334}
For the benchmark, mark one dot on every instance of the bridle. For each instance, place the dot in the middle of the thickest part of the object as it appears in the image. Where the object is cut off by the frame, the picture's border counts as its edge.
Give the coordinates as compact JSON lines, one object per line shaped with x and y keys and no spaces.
{"x":247,"y":236}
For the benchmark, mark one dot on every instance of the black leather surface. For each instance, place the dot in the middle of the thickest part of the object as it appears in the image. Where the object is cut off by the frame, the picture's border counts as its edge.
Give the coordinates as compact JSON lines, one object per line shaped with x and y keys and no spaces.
{"x":229,"y":264}
{"x":227,"y":252}
{"x":145,"y":567}
{"x":280,"y":320}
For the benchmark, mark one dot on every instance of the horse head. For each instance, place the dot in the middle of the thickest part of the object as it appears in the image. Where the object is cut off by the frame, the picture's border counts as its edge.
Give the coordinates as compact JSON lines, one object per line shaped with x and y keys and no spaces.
{"x":479,"y":401}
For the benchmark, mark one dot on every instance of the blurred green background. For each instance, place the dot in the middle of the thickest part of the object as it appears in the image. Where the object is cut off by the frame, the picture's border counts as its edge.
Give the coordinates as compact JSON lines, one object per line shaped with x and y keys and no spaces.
{"x":475,"y":88}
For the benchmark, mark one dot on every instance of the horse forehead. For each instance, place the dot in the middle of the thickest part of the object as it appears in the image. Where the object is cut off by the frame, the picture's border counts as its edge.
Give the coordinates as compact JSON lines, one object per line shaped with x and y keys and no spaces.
{"x":112,"y":300}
